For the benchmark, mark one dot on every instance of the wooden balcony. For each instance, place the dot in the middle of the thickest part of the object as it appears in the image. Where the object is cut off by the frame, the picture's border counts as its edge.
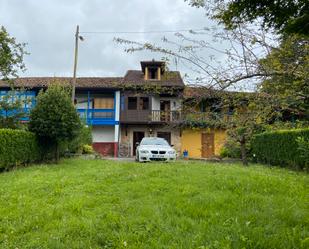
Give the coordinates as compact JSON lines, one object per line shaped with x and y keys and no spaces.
{"x":148,"y":116}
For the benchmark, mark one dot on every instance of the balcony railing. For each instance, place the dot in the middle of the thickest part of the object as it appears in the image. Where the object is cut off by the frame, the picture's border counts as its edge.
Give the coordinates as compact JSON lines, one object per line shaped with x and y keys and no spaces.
{"x":25,"y":112}
{"x":97,"y":116}
{"x":90,"y":116}
{"x":148,"y":116}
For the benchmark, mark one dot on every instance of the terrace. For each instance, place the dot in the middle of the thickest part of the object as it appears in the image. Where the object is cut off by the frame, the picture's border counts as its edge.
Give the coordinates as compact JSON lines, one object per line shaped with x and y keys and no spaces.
{"x":94,"y":109}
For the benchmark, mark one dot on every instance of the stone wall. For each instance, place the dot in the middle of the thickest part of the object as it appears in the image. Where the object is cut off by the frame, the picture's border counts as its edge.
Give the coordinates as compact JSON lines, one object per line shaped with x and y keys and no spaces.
{"x":126,"y":137}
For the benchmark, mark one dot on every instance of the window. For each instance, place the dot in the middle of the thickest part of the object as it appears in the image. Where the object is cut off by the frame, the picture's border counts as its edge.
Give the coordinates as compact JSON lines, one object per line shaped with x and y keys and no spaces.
{"x":104,"y":103}
{"x":132,"y":103}
{"x":144,"y":103}
{"x":153,"y":73}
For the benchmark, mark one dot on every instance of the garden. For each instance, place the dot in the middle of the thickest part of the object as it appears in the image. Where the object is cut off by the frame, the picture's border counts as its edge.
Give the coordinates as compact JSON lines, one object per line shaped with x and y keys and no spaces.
{"x":117,"y":204}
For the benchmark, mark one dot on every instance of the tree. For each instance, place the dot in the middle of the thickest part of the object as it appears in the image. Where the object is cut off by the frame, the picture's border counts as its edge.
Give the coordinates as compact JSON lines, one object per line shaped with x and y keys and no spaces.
{"x":252,"y":112}
{"x":11,"y":111}
{"x":231,"y":58}
{"x":11,"y":62}
{"x":289,"y":83}
{"x":286,"y":17}
{"x":11,"y":55}
{"x":54,"y":119}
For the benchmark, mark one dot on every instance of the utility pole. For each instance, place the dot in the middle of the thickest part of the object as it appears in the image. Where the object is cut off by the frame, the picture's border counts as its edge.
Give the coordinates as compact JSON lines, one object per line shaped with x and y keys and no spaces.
{"x":75,"y":62}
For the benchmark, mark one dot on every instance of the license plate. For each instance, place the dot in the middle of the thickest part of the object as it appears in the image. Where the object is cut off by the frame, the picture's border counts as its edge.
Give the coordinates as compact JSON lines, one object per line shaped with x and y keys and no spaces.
{"x":157,"y":156}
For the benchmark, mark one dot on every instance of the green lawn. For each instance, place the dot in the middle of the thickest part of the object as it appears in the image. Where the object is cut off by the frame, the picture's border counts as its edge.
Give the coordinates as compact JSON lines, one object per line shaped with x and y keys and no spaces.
{"x":107,"y":204}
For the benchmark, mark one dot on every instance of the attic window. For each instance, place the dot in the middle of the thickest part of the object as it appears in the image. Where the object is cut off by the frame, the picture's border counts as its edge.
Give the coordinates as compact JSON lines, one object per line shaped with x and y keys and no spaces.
{"x":153,"y":73}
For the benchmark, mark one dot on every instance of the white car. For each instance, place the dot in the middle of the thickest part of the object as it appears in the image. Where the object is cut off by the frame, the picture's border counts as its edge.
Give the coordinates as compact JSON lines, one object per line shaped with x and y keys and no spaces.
{"x":154,"y":149}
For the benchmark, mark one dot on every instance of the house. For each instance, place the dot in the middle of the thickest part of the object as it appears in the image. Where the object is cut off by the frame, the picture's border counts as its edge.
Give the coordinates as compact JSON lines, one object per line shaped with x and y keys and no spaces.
{"x":120,"y":110}
{"x":203,"y":119}
{"x":97,"y":101}
{"x":150,"y":106}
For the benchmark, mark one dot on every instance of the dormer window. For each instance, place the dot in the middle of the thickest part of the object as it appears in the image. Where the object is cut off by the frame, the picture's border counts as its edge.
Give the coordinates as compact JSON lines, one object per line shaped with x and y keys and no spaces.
{"x":153,"y":74}
{"x":153,"y":69}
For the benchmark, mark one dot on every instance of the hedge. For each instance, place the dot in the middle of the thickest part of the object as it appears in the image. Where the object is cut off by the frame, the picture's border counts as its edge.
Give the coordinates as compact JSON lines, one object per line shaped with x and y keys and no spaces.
{"x":17,"y":147}
{"x":280,"y":148}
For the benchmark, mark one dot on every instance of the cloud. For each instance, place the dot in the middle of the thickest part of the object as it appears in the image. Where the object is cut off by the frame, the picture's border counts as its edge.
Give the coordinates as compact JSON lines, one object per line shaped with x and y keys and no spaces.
{"x":48,"y":27}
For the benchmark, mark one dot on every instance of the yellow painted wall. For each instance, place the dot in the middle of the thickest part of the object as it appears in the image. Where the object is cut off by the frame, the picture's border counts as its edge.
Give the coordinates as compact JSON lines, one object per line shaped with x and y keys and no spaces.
{"x":220,"y":137}
{"x":191,"y":141}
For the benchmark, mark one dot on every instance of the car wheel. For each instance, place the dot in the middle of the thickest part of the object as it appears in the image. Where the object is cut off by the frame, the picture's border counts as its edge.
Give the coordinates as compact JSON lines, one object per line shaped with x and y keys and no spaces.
{"x":137,"y":157}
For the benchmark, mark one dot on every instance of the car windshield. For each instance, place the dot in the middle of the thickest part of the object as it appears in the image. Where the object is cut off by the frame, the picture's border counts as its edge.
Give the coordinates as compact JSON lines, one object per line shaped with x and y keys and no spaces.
{"x":154,"y":141}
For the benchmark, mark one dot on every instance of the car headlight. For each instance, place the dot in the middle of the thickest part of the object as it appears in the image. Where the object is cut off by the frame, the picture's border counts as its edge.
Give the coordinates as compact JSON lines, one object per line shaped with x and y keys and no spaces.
{"x":172,"y":152}
{"x":144,"y":151}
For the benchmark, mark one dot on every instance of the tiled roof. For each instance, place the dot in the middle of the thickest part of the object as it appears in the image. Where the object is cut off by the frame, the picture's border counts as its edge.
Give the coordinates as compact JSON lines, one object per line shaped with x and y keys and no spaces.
{"x":84,"y":82}
{"x":132,"y":78}
{"x":205,"y":92}
{"x":198,"y":92}
{"x":169,"y":78}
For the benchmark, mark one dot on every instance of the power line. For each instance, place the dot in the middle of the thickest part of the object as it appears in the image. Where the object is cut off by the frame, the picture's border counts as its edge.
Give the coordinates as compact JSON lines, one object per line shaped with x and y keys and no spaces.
{"x":141,"y":32}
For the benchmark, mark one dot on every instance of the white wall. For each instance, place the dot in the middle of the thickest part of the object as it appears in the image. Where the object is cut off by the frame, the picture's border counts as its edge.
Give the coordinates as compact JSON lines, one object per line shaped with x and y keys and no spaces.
{"x":101,"y":134}
{"x":175,"y":103}
{"x":117,"y":105}
{"x":155,"y":102}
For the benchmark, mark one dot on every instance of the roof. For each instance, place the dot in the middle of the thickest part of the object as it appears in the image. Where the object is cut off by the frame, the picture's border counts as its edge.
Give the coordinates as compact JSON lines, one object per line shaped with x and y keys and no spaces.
{"x":83,"y":82}
{"x":198,"y":92}
{"x":204,"y":92}
{"x":168,"y":79}
{"x":133,"y":78}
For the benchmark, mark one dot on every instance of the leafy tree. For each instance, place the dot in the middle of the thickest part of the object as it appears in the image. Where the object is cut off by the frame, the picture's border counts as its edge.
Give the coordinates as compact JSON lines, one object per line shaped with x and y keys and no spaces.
{"x":246,"y":121}
{"x":11,"y":111}
{"x":289,"y":80}
{"x":11,"y":55}
{"x":11,"y":62}
{"x":287,"y":17}
{"x":54,"y":119}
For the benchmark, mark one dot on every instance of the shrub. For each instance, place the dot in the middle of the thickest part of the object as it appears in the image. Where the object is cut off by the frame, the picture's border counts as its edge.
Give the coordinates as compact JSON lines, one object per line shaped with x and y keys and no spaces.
{"x":280,"y":147}
{"x":17,"y":147}
{"x":54,"y":119}
{"x":303,"y":147}
{"x":230,"y":149}
{"x":84,"y":137}
{"x":87,"y":149}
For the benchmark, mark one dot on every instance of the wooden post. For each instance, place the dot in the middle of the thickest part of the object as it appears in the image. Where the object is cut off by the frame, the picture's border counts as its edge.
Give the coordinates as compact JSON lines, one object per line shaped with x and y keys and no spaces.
{"x":146,"y":73}
{"x":75,"y":63}
{"x":159,"y":73}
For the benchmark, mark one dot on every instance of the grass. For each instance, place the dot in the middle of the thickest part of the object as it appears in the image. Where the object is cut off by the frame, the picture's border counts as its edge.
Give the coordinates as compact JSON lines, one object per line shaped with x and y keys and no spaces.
{"x":108,"y":204}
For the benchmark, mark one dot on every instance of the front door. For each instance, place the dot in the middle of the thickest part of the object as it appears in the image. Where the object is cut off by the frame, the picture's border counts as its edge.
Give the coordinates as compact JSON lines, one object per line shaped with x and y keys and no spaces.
{"x":165,"y":110}
{"x":208,"y":145}
{"x":137,"y":138}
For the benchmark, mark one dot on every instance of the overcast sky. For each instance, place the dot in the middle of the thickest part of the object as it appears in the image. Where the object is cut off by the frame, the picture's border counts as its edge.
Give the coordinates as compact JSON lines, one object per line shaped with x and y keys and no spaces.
{"x":48,"y":26}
